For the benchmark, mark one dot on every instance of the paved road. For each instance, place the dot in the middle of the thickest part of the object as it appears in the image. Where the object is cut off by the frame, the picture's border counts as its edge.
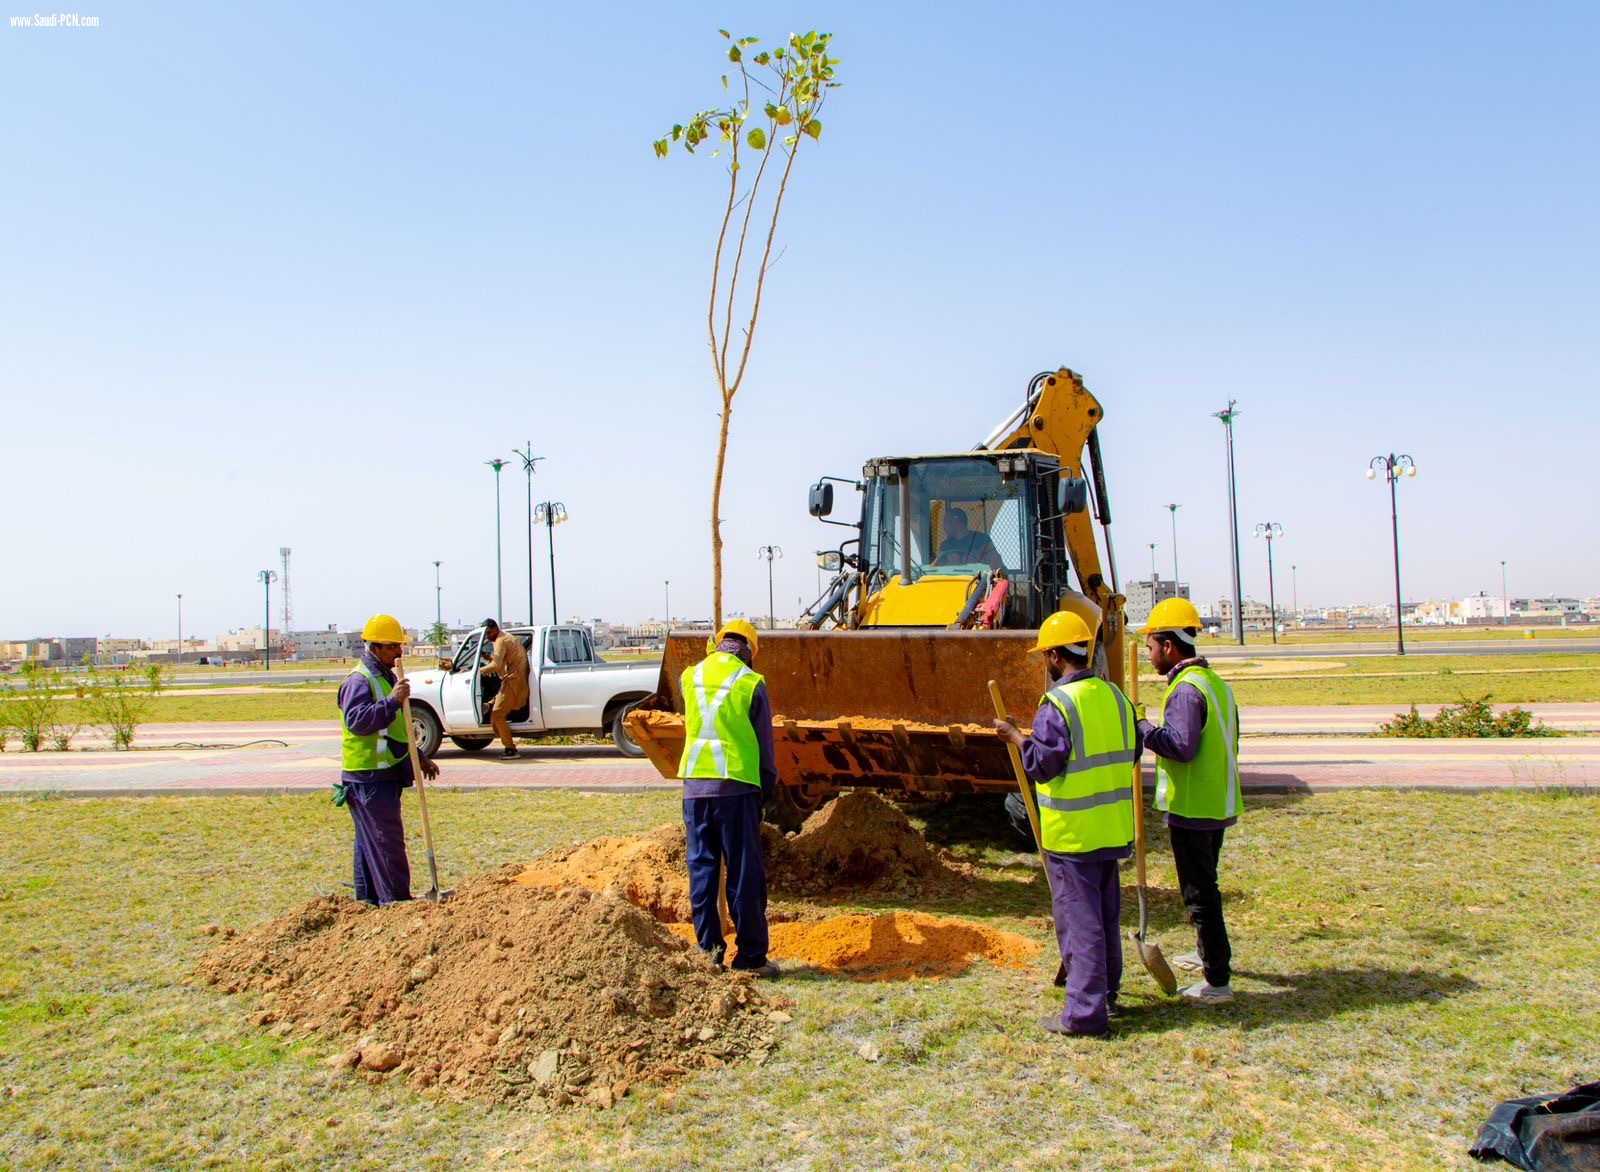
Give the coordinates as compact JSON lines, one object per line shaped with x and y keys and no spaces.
{"x":1288,"y":649}
{"x":303,"y":755}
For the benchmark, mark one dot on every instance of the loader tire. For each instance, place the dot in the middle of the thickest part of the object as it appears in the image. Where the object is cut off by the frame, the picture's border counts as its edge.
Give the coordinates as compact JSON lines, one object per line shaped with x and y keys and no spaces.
{"x":790,"y":807}
{"x":472,"y":744}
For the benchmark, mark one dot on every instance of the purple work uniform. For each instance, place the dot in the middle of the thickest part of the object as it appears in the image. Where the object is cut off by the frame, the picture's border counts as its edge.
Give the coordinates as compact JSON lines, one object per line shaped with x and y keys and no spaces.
{"x":382,"y":871}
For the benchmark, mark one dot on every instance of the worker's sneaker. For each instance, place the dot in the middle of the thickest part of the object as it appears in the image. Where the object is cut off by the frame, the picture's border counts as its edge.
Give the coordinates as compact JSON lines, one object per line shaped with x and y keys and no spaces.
{"x":1189,"y":962}
{"x":510,"y":754}
{"x":1208,"y":994}
{"x":1052,"y":1025}
{"x":768,"y":970}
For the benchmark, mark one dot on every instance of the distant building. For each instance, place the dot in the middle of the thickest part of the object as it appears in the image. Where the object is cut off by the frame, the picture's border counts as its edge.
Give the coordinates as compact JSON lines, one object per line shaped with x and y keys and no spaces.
{"x":1143,"y":596}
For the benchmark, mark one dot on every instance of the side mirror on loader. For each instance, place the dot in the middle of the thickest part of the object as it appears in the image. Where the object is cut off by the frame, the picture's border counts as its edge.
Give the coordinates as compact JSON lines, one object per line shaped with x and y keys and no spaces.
{"x":1072,"y":495}
{"x":830,"y":561}
{"x":821,"y":503}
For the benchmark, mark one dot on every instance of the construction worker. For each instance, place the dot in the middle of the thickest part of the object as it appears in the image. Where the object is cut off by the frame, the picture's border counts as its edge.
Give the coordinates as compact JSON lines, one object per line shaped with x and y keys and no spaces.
{"x":1197,"y":783}
{"x":375,"y":764}
{"x":510,"y":664}
{"x":964,"y":545}
{"x":1081,"y":754}
{"x":728,"y":773}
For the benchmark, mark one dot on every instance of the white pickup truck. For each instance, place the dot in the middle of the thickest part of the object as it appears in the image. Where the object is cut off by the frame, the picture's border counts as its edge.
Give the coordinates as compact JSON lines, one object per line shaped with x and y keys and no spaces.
{"x":570,"y":690}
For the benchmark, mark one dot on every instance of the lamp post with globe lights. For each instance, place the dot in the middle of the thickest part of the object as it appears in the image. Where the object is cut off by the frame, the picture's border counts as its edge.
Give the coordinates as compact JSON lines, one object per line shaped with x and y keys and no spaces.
{"x":1271,"y":530}
{"x":550,"y":514}
{"x":1393,"y":468}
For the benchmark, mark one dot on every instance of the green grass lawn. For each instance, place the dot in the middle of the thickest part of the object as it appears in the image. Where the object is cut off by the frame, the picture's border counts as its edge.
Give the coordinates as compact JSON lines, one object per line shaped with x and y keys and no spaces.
{"x":1399,"y":970}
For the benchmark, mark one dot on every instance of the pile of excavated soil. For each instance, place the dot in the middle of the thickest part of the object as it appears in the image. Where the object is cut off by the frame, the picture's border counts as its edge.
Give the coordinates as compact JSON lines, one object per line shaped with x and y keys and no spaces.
{"x":861,"y":843}
{"x":505,"y":991}
{"x":895,"y":946}
{"x":857,"y":844}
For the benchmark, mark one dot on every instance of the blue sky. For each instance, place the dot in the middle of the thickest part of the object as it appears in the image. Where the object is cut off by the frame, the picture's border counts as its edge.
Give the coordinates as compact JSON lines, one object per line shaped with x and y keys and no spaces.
{"x":287,"y":275}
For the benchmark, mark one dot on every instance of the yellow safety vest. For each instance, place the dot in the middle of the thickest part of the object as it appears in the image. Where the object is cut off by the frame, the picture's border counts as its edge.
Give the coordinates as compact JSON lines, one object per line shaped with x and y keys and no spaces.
{"x":1208,"y":786}
{"x":1089,"y":805}
{"x":379,"y":750}
{"x":718,"y":738}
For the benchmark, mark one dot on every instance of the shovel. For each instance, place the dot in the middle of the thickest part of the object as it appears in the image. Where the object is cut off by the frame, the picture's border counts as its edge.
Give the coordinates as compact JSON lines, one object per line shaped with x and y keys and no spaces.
{"x":1032,"y":807}
{"x":433,"y":892}
{"x":1149,"y":954}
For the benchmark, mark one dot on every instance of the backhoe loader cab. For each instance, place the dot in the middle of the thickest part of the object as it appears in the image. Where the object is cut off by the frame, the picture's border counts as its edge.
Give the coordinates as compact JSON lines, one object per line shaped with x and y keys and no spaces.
{"x":966,"y":541}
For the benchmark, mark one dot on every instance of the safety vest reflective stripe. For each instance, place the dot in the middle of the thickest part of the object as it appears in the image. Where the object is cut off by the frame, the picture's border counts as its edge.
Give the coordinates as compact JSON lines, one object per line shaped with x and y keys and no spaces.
{"x":362,"y":754}
{"x":1208,"y":785}
{"x":1089,"y":805}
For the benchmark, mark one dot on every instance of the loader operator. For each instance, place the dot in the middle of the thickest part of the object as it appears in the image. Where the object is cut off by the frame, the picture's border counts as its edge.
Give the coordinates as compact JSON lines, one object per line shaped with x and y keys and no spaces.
{"x":964,"y":545}
{"x":510,"y":664}
{"x":1197,"y":783}
{"x":1081,"y":754}
{"x":728,"y":773}
{"x":375,"y":765}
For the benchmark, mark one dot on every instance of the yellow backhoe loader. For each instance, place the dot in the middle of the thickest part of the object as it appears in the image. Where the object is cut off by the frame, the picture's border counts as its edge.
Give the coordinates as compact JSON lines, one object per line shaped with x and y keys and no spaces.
{"x":955,"y":561}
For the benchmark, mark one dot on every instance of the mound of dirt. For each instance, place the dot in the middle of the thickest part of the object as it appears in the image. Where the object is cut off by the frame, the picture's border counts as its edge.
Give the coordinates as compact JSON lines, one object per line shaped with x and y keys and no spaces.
{"x":650,"y":870}
{"x":860,"y":842}
{"x":505,"y":991}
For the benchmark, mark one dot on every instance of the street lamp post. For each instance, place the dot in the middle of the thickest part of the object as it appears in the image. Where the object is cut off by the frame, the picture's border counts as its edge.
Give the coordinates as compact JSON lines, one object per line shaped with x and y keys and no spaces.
{"x":1505,"y":599}
{"x":499,"y":581}
{"x":438,"y":598}
{"x":1270,"y":530}
{"x":1173,"y":508}
{"x":1152,"y":567}
{"x":666,"y":593}
{"x":1394,"y":467}
{"x":550,"y":514}
{"x":769,"y":552}
{"x":1228,"y":415}
{"x":180,"y":628}
{"x":1294,"y":585}
{"x":528,"y":461}
{"x":267,"y":578}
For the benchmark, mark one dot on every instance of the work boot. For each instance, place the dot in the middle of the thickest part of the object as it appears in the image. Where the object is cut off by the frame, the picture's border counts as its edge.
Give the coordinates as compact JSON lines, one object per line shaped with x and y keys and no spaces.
{"x":1205,"y":993}
{"x":767,"y":970}
{"x":1052,"y":1025}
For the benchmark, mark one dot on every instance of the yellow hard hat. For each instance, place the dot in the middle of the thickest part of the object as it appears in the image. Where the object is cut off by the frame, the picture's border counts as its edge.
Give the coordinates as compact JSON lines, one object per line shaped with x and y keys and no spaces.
{"x":383,"y":628}
{"x":1063,"y":629}
{"x":739,"y":627}
{"x":1171,"y":614}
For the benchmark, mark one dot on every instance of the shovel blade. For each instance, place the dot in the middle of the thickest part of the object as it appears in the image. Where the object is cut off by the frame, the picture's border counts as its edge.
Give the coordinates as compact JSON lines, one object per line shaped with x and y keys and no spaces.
{"x":1155,"y":964}
{"x":434,"y":895}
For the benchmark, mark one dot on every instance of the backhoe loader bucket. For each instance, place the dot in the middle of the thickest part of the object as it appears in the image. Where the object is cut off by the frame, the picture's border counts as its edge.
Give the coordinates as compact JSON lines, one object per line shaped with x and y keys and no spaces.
{"x":893,"y":709}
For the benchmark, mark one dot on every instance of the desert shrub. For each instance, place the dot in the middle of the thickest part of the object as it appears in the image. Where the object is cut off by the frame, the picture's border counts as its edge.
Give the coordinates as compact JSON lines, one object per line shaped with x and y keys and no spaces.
{"x":119,"y":700}
{"x":1469,"y":718}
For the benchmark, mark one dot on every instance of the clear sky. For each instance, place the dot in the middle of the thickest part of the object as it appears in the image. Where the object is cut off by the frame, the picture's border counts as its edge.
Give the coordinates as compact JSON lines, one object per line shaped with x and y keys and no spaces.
{"x":287,"y":275}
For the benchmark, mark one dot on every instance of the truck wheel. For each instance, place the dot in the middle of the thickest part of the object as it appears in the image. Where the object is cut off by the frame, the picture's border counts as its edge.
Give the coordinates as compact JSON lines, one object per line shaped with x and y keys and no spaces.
{"x":791,"y":806}
{"x":625,"y":744}
{"x":471,"y":744}
{"x":426,"y":732}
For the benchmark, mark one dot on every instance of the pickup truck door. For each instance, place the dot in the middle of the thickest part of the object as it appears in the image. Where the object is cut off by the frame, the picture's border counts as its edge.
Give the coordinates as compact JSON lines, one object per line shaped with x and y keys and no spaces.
{"x":461,"y":687}
{"x":567,"y":691}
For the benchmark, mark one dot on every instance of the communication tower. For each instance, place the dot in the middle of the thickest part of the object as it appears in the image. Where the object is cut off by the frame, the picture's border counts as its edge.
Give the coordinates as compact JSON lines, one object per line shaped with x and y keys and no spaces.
{"x":288,"y":612}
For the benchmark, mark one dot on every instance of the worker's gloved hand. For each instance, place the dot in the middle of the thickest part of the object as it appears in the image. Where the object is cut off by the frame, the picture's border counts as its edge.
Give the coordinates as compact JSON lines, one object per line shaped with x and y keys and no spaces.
{"x":340,"y":793}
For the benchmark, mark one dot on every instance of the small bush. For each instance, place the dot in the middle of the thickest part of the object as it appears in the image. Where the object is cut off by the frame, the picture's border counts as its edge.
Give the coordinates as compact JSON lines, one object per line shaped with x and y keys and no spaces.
{"x":33,"y":709}
{"x":119,"y":701}
{"x":1469,"y":718}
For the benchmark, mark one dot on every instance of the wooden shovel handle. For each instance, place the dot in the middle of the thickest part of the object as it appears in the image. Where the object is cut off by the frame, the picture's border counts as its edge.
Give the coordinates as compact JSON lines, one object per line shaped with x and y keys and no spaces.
{"x":1016,"y":767}
{"x":416,"y":764}
{"x":1138,"y":772}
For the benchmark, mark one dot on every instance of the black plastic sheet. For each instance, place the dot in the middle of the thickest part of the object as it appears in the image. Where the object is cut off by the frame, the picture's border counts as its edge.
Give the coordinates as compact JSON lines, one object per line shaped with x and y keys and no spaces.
{"x":1545,"y":1133}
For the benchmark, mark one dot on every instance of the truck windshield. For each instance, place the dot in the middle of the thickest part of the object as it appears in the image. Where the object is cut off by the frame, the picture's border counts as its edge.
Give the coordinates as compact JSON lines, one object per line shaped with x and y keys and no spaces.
{"x":950,"y":516}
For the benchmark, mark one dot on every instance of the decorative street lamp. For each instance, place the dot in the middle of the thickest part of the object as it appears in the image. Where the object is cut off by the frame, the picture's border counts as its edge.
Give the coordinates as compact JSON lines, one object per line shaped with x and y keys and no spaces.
{"x":499,"y":582}
{"x":769,"y":552}
{"x":528,"y":461}
{"x":180,"y":627}
{"x":550,"y":514}
{"x":1270,"y":530}
{"x":438,"y":598}
{"x":1505,"y":599}
{"x":1173,"y":508}
{"x":267,"y":578}
{"x":1228,"y":415}
{"x":1394,"y":467}
{"x":1152,"y":567}
{"x":666,"y":592}
{"x":1294,"y":585}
